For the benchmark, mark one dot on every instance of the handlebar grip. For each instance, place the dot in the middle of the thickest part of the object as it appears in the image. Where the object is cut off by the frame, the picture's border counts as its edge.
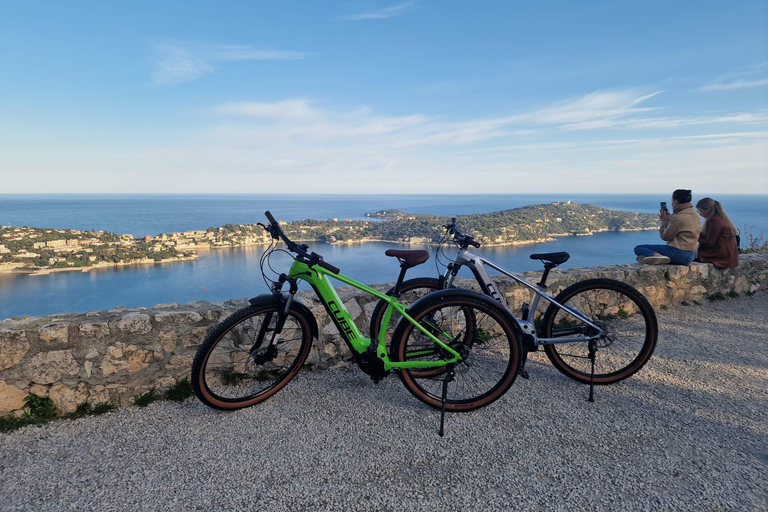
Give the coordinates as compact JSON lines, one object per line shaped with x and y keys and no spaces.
{"x":270,"y":217}
{"x":328,"y":266}
{"x":473,"y":243}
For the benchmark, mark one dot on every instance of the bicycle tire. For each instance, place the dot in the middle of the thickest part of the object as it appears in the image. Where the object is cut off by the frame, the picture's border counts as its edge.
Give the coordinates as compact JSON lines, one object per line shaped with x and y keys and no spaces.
{"x":619,"y":309}
{"x":226,"y":373}
{"x":410,"y":291}
{"x":492,"y":343}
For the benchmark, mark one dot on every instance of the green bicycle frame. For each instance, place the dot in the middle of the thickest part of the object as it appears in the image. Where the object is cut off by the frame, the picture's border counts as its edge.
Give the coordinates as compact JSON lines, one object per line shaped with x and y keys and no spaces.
{"x":316,"y":276}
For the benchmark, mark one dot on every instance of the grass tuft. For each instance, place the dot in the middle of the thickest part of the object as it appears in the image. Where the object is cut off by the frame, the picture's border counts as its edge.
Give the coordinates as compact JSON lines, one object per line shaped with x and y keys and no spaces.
{"x":145,"y":399}
{"x":179,"y":391}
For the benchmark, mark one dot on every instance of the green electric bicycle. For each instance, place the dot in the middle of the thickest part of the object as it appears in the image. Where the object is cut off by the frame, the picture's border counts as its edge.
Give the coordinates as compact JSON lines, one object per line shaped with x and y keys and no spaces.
{"x":457,"y":337}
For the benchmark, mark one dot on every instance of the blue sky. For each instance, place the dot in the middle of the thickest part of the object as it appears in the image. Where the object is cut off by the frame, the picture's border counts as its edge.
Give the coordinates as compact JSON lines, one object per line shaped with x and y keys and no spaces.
{"x":383,"y":97}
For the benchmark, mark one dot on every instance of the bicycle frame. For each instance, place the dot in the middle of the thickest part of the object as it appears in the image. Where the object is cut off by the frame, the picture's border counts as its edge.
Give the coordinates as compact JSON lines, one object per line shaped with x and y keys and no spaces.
{"x":316,"y":276}
{"x":477,"y":264}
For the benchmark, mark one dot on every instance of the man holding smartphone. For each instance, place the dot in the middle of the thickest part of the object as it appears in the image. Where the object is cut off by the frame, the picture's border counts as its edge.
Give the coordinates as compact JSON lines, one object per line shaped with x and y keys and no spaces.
{"x":680,"y":229}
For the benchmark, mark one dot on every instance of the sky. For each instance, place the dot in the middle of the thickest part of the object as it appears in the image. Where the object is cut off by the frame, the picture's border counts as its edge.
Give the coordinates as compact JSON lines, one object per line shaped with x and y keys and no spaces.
{"x":383,"y":97}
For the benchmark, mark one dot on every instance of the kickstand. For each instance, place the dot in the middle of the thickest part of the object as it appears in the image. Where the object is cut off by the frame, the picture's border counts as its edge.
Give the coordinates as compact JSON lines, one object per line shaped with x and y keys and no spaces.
{"x":448,"y":378}
{"x":523,"y":372}
{"x":592,"y":346}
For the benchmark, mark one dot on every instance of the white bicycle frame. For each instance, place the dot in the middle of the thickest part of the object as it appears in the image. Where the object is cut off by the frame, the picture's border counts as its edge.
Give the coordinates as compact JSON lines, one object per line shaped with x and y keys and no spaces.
{"x":477,"y":264}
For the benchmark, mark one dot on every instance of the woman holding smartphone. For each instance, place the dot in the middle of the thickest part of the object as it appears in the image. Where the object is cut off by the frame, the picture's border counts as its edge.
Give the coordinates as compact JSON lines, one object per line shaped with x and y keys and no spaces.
{"x":680,"y":229}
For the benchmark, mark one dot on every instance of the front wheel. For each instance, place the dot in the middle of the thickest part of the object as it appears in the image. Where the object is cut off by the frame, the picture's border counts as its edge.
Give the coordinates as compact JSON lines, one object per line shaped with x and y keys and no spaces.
{"x":238,"y":365}
{"x":476,"y":327}
{"x":626,"y":318}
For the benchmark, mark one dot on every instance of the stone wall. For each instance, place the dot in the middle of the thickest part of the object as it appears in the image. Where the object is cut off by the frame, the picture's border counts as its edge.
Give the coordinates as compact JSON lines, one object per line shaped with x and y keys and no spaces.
{"x":117,"y":355}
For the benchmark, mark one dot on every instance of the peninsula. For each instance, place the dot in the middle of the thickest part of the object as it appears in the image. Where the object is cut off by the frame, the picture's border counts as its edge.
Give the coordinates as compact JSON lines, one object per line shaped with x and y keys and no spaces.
{"x":41,"y":250}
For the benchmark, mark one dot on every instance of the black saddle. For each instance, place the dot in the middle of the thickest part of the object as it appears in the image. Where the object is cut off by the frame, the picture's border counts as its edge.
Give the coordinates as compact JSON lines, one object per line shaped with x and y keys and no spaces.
{"x":409,"y":258}
{"x":552,"y":257}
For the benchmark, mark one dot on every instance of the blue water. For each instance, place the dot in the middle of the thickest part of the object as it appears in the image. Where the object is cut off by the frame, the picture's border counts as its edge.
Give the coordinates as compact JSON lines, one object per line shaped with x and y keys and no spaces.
{"x":223,"y":274}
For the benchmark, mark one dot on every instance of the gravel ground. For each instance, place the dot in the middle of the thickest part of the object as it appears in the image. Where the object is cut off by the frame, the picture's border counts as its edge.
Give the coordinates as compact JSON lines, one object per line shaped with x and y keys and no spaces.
{"x":686,"y":433}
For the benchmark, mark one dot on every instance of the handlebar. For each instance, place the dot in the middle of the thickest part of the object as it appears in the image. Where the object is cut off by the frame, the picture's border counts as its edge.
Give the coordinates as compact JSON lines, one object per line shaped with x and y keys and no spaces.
{"x":460,"y":238}
{"x":277,"y":233}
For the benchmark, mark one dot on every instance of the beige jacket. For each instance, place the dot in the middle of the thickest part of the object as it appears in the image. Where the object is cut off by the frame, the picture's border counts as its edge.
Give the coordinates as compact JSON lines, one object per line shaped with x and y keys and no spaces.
{"x":682,"y":229}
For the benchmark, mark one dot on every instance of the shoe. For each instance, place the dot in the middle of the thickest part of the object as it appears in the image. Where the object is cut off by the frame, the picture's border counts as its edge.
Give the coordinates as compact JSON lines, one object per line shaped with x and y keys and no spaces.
{"x":656,"y":260}
{"x":640,"y":259}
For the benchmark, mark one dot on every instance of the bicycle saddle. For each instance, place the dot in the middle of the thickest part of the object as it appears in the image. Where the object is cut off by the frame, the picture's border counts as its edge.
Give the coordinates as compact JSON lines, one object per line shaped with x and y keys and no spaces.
{"x":553,"y":257}
{"x":410,"y":258}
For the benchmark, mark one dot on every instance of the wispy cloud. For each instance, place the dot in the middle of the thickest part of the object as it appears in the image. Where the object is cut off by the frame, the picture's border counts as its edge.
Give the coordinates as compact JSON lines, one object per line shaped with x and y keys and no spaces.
{"x":388,"y":12}
{"x":605,"y":141}
{"x":737,"y":84}
{"x":744,"y":78}
{"x":178,"y":62}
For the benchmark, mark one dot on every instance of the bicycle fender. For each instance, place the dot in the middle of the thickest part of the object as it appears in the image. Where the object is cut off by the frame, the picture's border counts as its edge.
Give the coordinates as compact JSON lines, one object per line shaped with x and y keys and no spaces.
{"x":296,"y":305}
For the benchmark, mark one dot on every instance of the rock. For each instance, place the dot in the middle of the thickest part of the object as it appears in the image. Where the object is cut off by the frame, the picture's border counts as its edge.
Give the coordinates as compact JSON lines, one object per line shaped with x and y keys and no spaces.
{"x":99,"y":395}
{"x":94,"y":330}
{"x":168,"y":340}
{"x":120,"y":357}
{"x":135,"y":323}
{"x":54,"y":333}
{"x":49,"y":367}
{"x":353,"y":308}
{"x":38,"y":390}
{"x":13,"y":346}
{"x":65,"y":399}
{"x":180,"y":363}
{"x":195,"y":338}
{"x":11,"y":397}
{"x":178,"y":317}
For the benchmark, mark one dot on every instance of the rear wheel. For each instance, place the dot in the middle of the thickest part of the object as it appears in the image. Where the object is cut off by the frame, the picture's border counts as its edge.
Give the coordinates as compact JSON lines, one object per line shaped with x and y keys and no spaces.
{"x":238,"y":365}
{"x":629,"y":329}
{"x":476,"y":327}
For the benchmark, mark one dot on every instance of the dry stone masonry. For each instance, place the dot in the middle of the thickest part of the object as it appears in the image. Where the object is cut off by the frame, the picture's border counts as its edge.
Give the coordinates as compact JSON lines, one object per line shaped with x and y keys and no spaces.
{"x":116,"y":355}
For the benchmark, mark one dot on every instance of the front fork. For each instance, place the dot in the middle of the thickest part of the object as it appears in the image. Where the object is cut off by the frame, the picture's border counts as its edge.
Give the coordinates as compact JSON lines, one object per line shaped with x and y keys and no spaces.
{"x":260,"y":353}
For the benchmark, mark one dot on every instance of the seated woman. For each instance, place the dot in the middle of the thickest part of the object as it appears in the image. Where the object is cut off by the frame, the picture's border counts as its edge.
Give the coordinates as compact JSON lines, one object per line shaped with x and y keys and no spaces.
{"x":717,"y":241}
{"x":680,"y":230}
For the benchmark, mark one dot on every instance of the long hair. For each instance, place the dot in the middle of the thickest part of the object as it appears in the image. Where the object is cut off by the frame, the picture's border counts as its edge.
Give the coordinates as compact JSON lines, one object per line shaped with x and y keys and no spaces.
{"x":717,"y":209}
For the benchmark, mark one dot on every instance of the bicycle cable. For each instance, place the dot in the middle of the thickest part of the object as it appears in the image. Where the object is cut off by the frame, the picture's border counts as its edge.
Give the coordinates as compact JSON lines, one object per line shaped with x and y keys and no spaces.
{"x":440,"y":251}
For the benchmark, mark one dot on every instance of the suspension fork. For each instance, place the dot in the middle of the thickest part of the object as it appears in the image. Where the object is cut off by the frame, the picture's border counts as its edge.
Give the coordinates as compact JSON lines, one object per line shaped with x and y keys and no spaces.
{"x":282,"y":315}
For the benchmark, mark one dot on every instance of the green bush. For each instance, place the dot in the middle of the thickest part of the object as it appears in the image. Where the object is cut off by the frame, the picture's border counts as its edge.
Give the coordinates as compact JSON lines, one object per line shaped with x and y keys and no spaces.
{"x":36,"y":410}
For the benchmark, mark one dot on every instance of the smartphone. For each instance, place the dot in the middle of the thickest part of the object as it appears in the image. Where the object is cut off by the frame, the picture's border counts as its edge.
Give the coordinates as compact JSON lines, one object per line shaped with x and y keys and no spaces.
{"x":664,"y":205}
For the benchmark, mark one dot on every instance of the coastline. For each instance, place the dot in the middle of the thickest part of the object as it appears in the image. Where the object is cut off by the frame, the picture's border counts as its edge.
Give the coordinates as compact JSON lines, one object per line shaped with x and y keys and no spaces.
{"x":41,"y":271}
{"x":9,"y":269}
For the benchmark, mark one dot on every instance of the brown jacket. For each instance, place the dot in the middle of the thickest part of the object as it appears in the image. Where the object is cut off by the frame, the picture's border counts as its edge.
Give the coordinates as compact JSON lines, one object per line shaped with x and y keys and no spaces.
{"x":717,"y":245}
{"x":682,"y":229}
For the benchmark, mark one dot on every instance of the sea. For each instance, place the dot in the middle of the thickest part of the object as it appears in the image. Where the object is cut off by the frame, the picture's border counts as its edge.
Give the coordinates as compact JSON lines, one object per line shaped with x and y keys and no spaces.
{"x":224,"y":274}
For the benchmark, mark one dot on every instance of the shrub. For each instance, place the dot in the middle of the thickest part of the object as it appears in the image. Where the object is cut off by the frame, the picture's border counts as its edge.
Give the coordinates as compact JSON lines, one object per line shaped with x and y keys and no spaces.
{"x":752,"y":242}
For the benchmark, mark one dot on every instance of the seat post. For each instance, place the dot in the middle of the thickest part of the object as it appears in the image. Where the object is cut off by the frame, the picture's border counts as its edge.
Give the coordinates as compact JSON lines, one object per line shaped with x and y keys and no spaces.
{"x":403,"y":269}
{"x":547,"y":267}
